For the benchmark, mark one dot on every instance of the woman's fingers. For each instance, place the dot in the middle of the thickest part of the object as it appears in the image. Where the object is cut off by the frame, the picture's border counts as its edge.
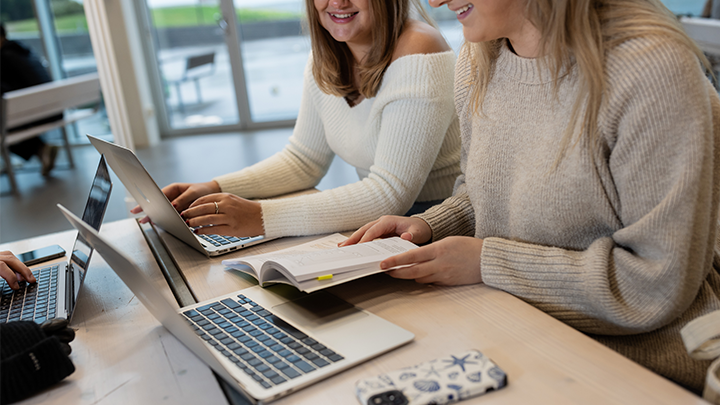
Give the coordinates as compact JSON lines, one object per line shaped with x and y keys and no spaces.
{"x":184,"y":200}
{"x":240,"y":216}
{"x":11,"y":267}
{"x":418,"y":255}
{"x":416,"y":272}
{"x":206,"y":199}
{"x":9,"y":275}
{"x":380,"y":229}
{"x":412,"y":229}
{"x":19,"y":267}
{"x":205,"y":220}
{"x":357,"y":235}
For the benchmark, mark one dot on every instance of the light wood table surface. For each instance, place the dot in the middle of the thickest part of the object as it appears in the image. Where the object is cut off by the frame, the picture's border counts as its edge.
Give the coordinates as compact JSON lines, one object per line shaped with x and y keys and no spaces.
{"x":547,"y":362}
{"x":122,"y":355}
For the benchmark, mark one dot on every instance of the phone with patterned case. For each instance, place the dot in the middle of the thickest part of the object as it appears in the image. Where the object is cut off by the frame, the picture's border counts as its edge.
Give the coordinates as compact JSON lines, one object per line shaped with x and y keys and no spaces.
{"x":440,"y":381}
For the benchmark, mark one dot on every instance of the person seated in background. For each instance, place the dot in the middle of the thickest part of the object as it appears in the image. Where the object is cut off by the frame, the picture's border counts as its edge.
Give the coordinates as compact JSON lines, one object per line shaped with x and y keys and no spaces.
{"x":591,"y":174}
{"x":21,"y":68}
{"x":378,"y":93}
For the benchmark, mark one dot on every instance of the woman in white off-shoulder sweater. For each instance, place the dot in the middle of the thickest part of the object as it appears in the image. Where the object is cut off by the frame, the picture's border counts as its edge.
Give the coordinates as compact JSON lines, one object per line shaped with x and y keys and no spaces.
{"x":378,"y":93}
{"x":606,"y":219}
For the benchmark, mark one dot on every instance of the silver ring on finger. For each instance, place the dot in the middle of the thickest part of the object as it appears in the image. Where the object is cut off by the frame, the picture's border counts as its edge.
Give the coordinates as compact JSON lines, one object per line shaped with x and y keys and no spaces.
{"x":217,"y":209}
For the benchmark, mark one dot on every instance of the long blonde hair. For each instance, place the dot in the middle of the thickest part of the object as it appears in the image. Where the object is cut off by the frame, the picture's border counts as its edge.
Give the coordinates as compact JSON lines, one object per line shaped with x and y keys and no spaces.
{"x":581,"y":32}
{"x":333,"y":63}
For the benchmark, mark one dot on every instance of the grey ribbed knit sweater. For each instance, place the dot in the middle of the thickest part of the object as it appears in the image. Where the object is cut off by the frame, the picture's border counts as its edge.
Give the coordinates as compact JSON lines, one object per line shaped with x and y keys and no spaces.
{"x":619,"y":246}
{"x":404,"y":144}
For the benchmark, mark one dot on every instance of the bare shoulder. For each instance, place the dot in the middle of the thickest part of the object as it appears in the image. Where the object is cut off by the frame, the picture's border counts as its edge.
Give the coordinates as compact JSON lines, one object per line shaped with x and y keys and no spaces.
{"x":419,"y":38}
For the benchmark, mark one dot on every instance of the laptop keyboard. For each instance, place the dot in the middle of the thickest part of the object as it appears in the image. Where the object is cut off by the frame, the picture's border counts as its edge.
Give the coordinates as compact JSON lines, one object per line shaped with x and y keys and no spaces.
{"x":31,"y":302}
{"x":264,"y":346}
{"x":219,"y":240}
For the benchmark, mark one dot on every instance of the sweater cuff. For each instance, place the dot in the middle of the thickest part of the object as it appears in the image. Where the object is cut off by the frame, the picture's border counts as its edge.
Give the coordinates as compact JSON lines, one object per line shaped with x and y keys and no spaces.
{"x":449,"y":218}
{"x":34,"y":369}
{"x":239,"y":183}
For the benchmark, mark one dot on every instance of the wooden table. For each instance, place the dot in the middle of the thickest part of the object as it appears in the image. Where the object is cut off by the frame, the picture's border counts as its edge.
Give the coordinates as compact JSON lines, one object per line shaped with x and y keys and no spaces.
{"x":546,"y":360}
{"x":122,"y":355}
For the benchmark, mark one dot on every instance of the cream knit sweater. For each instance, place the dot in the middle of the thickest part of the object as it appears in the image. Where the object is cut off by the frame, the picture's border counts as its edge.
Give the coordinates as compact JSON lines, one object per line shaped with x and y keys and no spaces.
{"x":404,"y":144}
{"x":620,"y":244}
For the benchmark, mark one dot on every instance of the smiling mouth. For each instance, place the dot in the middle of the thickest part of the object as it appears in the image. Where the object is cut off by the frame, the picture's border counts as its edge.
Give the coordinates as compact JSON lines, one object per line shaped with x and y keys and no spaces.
{"x":463,"y":11}
{"x":343,"y":16}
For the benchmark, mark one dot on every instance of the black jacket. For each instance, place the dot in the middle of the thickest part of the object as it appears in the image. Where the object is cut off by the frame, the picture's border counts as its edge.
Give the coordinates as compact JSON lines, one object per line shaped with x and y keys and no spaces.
{"x":20,"y":67}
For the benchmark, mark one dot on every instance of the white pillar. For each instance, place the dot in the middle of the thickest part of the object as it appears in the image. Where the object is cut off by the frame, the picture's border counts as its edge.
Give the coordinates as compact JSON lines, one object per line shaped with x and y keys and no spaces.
{"x":121,"y":66}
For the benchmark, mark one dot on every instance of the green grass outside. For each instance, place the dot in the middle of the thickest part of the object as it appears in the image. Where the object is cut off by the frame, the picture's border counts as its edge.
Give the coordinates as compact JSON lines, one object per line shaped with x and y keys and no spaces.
{"x":182,"y":16}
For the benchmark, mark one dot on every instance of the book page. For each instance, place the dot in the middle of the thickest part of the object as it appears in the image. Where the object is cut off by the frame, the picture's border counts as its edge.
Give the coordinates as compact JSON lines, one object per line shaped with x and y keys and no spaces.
{"x":324,"y":263}
{"x":256,"y":261}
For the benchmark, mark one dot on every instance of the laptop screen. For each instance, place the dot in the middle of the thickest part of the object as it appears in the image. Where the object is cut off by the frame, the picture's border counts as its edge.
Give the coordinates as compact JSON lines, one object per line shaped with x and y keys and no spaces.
{"x":93,"y":215}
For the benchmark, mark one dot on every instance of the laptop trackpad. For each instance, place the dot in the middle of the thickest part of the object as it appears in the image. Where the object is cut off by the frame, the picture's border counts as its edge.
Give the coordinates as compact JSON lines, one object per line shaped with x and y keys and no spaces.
{"x":319,"y":311}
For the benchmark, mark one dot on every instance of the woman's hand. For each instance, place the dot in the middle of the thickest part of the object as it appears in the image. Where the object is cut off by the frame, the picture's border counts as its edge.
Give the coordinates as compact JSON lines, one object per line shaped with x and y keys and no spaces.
{"x":234,"y":216}
{"x":412,"y":229}
{"x":181,"y":195}
{"x":12,"y":270}
{"x":452,"y":261}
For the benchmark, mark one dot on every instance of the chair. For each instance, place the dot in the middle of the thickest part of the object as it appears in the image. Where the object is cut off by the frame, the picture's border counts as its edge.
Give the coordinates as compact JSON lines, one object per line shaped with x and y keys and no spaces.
{"x":196,"y":67}
{"x":34,"y":103}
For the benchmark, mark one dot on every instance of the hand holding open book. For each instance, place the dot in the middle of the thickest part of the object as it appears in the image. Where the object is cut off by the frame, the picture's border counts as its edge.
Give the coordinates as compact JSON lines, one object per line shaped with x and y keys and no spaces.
{"x":319,"y":264}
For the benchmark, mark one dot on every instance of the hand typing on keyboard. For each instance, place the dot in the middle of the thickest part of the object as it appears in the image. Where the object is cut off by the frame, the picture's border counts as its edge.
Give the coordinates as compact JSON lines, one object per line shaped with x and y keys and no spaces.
{"x":229,"y":214}
{"x":13,"y":270}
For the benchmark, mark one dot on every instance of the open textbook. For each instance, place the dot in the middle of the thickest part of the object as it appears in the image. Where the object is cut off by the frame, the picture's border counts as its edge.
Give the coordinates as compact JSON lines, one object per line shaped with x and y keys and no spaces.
{"x":319,"y":264}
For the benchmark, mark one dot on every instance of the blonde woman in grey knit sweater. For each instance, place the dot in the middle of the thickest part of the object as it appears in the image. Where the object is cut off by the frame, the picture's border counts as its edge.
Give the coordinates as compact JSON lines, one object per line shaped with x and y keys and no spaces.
{"x":591,"y":173}
{"x":377,"y":93}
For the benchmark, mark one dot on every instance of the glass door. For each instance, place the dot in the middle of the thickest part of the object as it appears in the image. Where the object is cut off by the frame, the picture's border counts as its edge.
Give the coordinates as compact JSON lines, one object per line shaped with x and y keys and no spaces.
{"x":274,"y":53}
{"x":224,"y":65}
{"x":190,"y":65}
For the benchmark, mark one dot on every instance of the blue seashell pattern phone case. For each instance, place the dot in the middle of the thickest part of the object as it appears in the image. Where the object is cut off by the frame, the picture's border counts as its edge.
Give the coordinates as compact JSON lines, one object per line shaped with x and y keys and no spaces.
{"x":440,"y":381}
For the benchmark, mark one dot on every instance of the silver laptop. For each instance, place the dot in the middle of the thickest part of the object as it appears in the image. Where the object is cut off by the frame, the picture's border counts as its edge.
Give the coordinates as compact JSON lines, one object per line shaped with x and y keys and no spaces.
{"x":58,"y":286}
{"x":267,"y":342}
{"x":150,"y":197}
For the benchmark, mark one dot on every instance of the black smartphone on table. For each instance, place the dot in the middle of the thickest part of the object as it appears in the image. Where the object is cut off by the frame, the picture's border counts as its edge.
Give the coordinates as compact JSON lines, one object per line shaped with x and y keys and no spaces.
{"x":41,"y":255}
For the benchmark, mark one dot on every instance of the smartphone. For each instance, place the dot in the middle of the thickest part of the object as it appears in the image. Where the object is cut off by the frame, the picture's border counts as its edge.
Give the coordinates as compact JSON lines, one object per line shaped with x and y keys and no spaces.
{"x":440,"y":381}
{"x":41,"y":255}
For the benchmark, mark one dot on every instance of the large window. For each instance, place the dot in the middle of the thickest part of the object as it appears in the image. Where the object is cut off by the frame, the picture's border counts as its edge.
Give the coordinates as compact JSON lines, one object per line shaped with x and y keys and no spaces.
{"x":685,"y":7}
{"x":222,"y":65}
{"x":56,"y":31}
{"x":73,"y":38}
{"x":21,"y":25}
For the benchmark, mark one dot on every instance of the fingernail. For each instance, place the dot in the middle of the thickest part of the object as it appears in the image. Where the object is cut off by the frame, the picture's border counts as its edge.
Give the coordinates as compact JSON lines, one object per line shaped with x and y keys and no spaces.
{"x":383,"y":266}
{"x":195,"y":230}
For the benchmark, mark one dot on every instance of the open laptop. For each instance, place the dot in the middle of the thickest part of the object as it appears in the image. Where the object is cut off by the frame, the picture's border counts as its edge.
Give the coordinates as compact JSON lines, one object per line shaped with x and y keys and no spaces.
{"x":155,"y":204}
{"x":266,"y":342}
{"x":57,"y":288}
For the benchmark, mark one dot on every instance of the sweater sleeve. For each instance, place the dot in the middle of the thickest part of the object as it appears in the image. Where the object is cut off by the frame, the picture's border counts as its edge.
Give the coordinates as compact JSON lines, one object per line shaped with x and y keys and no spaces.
{"x":299,"y":166}
{"x":455,"y":216}
{"x":415,"y":117}
{"x":657,"y":123}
